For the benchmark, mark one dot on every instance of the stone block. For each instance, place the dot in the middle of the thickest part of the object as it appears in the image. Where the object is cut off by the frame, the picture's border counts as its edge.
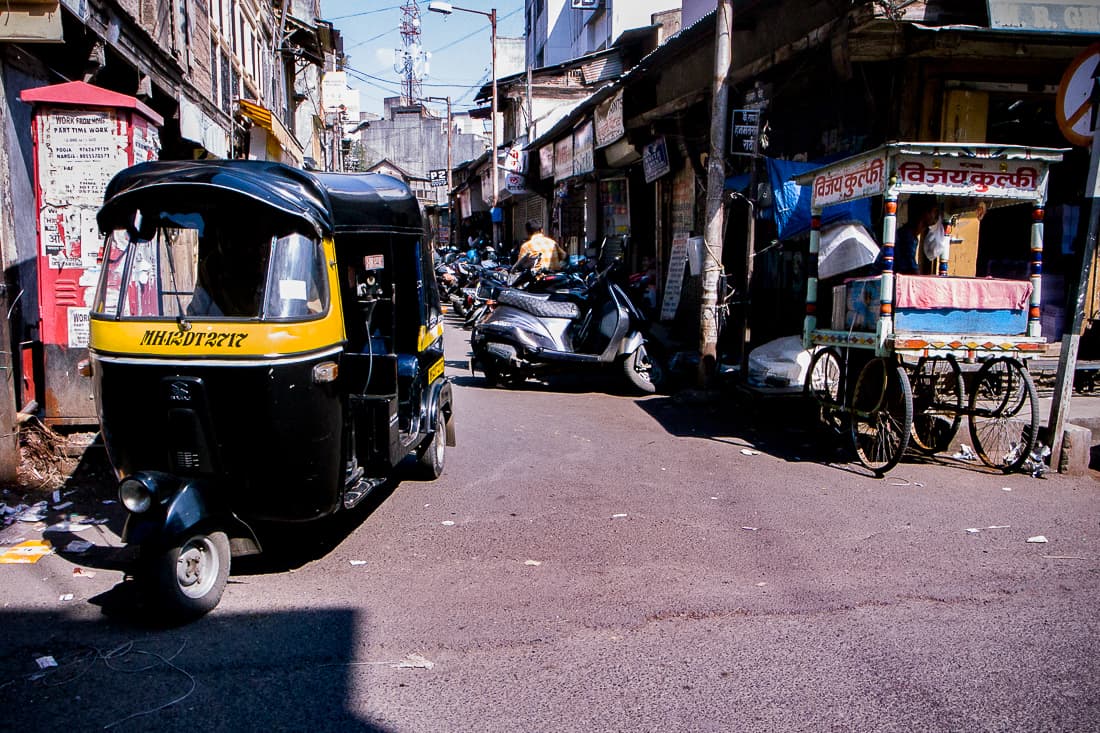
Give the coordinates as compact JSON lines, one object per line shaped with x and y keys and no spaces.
{"x":1076,"y":450}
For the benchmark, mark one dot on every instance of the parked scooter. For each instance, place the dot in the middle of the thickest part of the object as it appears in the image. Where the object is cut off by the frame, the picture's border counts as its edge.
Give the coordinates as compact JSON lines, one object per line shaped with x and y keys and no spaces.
{"x":598,"y":325}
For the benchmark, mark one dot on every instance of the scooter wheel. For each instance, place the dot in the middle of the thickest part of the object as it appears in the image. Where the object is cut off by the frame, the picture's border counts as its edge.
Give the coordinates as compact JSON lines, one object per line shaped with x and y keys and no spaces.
{"x":431,"y":456}
{"x":191,"y":576}
{"x":641,"y":370}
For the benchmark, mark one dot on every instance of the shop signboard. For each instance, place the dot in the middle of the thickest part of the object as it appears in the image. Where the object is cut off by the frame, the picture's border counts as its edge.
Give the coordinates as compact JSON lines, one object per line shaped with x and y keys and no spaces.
{"x":863,"y":177}
{"x":609,"y":120}
{"x":984,"y":178}
{"x":546,"y":161}
{"x":1051,"y":16}
{"x":515,"y":183}
{"x":674,"y":283}
{"x":515,"y":160}
{"x":683,"y":222}
{"x":584,"y":157}
{"x":745,"y":130}
{"x":563,"y":159}
{"x":437,"y":177}
{"x":655,"y":160}
{"x":585,"y":4}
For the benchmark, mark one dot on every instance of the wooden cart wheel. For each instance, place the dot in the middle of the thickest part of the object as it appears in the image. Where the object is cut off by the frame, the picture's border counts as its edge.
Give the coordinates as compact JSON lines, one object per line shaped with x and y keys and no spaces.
{"x":1004,"y":414}
{"x":825,"y":384}
{"x":881,"y":415}
{"x":938,"y":399}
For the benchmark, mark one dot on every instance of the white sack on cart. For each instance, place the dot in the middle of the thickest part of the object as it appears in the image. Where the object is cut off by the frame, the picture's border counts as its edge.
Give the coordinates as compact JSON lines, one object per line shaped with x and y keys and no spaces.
{"x":845,"y":247}
{"x":779,"y":363}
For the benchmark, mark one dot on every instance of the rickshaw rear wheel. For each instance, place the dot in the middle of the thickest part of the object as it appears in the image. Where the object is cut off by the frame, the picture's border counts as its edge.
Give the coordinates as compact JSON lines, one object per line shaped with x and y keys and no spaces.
{"x":1004,"y":414}
{"x":191,"y":576}
{"x":938,"y":398}
{"x":881,"y":417}
{"x":432,"y":454}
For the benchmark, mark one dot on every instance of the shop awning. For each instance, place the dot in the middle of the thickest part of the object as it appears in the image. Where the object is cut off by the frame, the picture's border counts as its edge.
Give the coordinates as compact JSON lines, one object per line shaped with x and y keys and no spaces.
{"x":263,"y":117}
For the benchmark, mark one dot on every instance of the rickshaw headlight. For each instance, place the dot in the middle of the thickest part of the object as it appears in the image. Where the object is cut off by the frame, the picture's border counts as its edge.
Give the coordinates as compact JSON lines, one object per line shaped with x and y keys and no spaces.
{"x":325,"y":372}
{"x":135,"y":495}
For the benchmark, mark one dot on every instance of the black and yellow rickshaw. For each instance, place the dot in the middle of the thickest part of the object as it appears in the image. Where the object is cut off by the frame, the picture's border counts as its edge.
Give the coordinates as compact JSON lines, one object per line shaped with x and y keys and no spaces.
{"x":266,"y":346}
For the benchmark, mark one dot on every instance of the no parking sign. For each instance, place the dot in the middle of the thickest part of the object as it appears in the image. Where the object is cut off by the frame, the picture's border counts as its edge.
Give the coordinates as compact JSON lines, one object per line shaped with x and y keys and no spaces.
{"x":1079,"y":97}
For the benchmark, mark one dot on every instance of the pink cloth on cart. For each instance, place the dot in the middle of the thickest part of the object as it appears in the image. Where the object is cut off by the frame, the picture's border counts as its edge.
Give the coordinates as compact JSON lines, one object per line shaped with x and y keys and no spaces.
{"x":960,"y":293}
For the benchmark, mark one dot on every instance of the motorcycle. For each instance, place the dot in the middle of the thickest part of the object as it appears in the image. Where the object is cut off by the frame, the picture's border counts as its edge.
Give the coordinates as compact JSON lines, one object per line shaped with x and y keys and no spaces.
{"x":596,"y":326}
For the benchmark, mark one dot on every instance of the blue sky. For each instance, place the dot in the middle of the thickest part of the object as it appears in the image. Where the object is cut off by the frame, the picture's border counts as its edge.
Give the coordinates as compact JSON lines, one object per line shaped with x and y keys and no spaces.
{"x":458,"y":43}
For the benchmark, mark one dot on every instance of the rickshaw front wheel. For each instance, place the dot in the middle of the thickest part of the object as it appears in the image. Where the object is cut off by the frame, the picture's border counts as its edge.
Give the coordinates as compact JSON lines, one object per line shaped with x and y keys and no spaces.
{"x":191,"y":576}
{"x":432,"y":454}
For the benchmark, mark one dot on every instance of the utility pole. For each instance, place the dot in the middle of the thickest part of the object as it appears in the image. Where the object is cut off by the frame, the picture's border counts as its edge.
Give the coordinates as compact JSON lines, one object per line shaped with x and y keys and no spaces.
{"x":1071,"y":340}
{"x":450,"y":160}
{"x":716,"y":179}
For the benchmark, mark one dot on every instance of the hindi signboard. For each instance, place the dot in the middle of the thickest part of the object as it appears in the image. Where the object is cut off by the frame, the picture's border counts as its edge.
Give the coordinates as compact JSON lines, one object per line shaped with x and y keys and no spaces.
{"x":546,"y":161}
{"x":744,"y":131}
{"x":563,"y":159}
{"x":584,"y":155}
{"x":864,"y":176}
{"x":609,"y":120}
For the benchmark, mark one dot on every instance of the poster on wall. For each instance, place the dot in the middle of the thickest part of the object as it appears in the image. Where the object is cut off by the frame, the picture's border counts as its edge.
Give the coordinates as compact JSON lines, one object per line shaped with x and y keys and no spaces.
{"x":674,"y":283}
{"x":78,"y":154}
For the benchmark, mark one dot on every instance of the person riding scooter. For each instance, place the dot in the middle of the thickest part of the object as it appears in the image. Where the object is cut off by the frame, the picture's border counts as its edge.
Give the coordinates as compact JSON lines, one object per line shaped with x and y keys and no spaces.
{"x":550,"y":254}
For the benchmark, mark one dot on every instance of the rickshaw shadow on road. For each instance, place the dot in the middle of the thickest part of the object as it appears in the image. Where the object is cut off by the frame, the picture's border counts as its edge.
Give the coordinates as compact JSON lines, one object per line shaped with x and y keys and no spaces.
{"x":288,"y":670}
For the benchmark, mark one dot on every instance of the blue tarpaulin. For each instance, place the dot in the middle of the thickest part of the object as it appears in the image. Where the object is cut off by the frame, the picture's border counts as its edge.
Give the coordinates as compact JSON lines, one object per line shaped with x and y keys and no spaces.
{"x":792,"y":202}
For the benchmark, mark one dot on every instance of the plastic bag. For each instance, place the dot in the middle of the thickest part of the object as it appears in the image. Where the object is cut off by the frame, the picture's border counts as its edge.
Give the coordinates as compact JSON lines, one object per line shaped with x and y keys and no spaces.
{"x":936,"y":244}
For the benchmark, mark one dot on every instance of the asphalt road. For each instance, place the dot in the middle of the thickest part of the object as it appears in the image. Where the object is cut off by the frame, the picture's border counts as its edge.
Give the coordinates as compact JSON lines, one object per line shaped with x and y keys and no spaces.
{"x":595,"y":561}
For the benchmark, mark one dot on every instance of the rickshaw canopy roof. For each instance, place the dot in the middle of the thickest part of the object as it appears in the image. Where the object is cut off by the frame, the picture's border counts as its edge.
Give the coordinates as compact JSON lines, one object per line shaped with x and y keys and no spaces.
{"x":980,"y":170}
{"x":329,"y":203}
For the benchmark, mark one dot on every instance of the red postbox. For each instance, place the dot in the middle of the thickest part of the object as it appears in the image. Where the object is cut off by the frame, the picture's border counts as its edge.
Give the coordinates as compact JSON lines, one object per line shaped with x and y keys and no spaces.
{"x":83,"y":135}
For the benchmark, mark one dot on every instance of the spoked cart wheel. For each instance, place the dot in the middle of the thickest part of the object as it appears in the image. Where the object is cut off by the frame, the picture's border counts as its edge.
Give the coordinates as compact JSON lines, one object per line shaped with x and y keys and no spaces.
{"x":825,"y":384}
{"x":938,"y":399}
{"x":1004,"y":414}
{"x":881,"y":414}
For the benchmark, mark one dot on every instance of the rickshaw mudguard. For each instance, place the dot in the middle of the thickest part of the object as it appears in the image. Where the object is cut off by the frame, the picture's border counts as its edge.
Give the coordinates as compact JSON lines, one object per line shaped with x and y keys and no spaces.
{"x":185,"y":511}
{"x":440,"y":397}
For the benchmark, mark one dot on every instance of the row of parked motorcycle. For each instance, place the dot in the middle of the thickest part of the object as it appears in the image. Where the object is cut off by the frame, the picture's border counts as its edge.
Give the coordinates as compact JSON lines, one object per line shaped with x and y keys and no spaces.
{"x":526,"y":322}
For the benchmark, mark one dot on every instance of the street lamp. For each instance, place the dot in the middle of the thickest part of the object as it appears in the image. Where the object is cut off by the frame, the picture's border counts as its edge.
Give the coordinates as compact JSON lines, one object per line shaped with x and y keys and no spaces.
{"x":445,"y":8}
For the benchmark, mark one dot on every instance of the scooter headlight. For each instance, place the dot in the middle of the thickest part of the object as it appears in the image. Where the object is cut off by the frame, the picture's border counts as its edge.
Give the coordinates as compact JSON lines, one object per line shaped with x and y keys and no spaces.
{"x":136,"y":495}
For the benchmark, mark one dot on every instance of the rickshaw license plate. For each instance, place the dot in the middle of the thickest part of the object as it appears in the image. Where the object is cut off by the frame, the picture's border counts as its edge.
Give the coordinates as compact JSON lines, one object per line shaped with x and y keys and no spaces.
{"x":374,"y":262}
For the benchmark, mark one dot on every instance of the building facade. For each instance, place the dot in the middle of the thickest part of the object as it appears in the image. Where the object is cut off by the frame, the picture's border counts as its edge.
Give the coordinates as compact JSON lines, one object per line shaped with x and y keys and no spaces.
{"x":204,"y":78}
{"x":557,"y":32}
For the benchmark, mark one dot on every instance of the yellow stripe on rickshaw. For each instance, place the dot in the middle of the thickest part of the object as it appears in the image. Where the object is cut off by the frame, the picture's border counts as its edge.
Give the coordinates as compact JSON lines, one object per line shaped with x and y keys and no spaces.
{"x":215,"y":339}
{"x":435,"y":371}
{"x":428,"y":336}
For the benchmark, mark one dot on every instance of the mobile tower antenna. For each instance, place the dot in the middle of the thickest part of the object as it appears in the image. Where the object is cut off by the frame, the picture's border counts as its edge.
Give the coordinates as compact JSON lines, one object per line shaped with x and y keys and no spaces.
{"x":411,"y":60}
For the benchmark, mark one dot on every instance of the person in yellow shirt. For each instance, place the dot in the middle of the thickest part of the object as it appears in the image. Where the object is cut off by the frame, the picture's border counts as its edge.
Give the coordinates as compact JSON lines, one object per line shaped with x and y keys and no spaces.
{"x":550,"y":255}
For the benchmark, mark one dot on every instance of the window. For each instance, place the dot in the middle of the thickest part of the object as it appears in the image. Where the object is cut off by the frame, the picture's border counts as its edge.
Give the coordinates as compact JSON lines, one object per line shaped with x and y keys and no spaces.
{"x":184,"y":264}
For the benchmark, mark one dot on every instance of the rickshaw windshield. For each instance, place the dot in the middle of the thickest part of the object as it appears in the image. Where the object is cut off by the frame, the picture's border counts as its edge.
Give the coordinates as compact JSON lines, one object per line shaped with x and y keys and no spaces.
{"x":174,"y":265}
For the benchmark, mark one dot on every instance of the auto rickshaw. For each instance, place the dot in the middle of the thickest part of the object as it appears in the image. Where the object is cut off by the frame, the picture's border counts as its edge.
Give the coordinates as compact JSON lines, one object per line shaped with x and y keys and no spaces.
{"x":266,"y":347}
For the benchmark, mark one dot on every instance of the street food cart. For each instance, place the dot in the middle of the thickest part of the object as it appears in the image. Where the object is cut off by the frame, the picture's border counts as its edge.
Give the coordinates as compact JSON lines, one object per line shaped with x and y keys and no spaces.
{"x":886,"y":361}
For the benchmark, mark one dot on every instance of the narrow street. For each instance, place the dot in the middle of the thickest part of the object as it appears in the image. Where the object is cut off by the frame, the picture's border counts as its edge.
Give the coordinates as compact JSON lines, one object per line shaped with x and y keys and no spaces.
{"x":595,"y":561}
